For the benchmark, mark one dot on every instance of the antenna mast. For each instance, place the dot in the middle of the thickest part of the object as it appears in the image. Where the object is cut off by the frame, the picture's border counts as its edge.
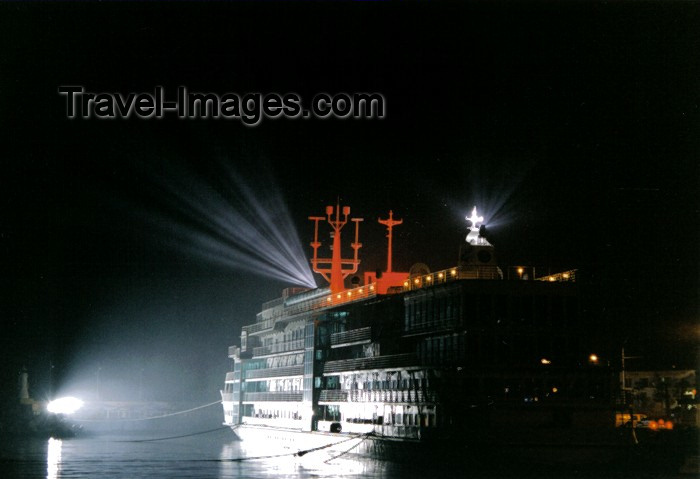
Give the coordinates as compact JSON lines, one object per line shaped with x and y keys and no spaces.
{"x":332,"y":268}
{"x":389,"y":223}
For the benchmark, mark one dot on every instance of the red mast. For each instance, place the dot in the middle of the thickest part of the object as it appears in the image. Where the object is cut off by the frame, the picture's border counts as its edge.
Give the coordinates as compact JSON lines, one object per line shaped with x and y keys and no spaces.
{"x":334,"y":265}
{"x":390,"y":223}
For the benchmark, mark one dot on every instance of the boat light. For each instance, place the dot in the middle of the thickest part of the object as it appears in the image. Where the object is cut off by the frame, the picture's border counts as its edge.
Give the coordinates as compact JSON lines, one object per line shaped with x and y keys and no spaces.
{"x":66,"y":405}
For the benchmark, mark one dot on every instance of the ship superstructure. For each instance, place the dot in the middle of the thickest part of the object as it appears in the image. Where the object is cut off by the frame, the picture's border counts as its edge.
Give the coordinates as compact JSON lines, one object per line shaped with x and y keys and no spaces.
{"x":419,"y":357}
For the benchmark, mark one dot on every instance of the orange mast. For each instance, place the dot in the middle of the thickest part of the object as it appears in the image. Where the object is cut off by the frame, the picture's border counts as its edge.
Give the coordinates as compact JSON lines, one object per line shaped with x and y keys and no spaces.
{"x":390,"y":223}
{"x":334,"y":272}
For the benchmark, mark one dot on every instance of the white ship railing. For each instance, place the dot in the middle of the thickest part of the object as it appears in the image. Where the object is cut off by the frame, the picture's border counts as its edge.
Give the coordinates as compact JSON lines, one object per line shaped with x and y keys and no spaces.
{"x":377,"y":362}
{"x":405,"y":396}
{"x":275,"y":372}
{"x":314,"y":303}
{"x":272,"y":396}
{"x":281,"y":347}
{"x":353,"y":336}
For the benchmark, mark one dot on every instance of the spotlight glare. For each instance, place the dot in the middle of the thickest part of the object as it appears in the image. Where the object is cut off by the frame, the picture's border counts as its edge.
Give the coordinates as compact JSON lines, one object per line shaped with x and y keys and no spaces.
{"x":65,"y":405}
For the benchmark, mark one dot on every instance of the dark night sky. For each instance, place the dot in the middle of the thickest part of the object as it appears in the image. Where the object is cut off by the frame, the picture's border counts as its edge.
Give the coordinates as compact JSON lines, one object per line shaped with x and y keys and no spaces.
{"x":580,"y":120}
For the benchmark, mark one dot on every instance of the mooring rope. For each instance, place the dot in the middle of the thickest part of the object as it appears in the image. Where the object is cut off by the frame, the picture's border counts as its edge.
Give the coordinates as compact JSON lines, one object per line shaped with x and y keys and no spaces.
{"x":348,"y":450}
{"x":148,"y":418}
{"x":298,"y":453}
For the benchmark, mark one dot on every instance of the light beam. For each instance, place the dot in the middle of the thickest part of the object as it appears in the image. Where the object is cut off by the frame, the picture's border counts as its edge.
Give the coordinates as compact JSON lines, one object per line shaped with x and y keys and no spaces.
{"x":228,"y":222}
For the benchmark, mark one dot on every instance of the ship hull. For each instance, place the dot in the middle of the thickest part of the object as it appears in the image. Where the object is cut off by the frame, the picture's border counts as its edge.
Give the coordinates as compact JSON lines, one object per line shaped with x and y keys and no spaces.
{"x":478,"y":450}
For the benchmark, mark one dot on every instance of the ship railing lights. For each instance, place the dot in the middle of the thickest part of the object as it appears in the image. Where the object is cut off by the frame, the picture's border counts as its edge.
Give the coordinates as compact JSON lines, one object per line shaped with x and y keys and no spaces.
{"x":350,"y":295}
{"x":429,"y":279}
{"x":563,"y":276}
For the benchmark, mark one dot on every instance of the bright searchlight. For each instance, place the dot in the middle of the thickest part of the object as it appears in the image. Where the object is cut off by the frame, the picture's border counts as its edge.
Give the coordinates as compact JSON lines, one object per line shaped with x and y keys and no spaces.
{"x":66,"y":405}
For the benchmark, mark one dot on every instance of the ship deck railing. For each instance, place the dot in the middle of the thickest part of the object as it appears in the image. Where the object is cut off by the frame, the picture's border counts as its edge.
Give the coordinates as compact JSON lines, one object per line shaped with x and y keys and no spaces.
{"x":281,"y":347}
{"x":354,"y":336}
{"x":430,"y":279}
{"x":402,"y":396}
{"x":265,"y":322}
{"x":259,"y":326}
{"x":274,"y":372}
{"x":376,"y":362}
{"x":272,"y":396}
{"x":315,"y":303}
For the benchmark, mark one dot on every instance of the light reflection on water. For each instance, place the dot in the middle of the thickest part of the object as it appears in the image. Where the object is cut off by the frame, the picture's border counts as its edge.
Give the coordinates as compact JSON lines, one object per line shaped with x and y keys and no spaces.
{"x":218,"y":456}
{"x":213,"y":456}
{"x":53,"y":458}
{"x":319,"y":464}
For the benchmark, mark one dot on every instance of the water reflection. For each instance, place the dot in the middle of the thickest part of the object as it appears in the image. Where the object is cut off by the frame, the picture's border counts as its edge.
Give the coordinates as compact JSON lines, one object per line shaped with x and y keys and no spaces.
{"x":53,"y":458}
{"x":238,"y":460}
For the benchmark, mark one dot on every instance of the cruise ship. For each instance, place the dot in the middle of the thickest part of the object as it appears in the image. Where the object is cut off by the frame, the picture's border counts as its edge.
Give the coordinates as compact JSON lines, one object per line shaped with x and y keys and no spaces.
{"x":468,"y":361}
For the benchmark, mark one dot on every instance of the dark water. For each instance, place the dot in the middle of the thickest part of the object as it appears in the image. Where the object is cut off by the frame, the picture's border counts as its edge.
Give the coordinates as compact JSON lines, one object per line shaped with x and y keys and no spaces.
{"x":216,"y":455}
